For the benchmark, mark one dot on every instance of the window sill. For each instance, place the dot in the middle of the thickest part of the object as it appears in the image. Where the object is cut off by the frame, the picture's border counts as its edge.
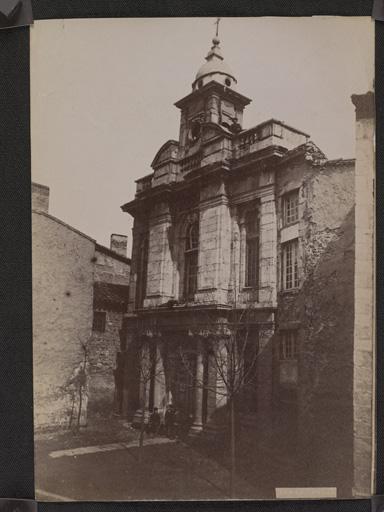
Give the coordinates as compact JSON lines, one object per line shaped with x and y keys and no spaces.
{"x":286,"y":225}
{"x":294,"y":291}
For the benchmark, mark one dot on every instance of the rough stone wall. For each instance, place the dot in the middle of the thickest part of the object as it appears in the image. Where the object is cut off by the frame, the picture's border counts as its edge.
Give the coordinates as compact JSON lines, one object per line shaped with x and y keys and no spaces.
{"x":62,"y":316}
{"x":40,"y":197}
{"x":111,"y":270}
{"x":322,"y":311}
{"x":105,"y":345}
{"x":103,"y":349}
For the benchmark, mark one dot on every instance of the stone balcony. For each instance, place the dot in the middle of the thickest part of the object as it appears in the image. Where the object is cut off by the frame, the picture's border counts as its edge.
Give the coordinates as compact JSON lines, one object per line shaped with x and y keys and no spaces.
{"x":144,"y":183}
{"x":269,"y":133}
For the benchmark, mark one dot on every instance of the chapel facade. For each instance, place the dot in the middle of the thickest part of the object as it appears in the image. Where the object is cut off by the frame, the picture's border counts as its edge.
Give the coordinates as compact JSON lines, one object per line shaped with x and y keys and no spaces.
{"x":244,"y":236}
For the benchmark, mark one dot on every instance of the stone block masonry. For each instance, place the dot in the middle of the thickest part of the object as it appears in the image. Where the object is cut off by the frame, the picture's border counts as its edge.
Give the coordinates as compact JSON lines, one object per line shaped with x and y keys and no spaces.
{"x":364,"y":346}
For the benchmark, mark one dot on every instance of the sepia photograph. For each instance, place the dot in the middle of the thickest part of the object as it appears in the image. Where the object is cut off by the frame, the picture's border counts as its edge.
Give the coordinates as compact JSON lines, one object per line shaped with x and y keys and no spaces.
{"x":203,"y":258}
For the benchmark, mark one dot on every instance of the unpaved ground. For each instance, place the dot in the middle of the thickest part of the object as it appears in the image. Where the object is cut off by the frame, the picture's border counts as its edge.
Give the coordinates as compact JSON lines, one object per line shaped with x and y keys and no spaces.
{"x":101,"y":430}
{"x":170,"y":471}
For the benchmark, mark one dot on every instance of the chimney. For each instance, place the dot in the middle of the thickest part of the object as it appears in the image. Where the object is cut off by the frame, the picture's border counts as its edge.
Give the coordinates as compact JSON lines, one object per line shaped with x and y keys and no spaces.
{"x":119,"y":244}
{"x":40,"y":197}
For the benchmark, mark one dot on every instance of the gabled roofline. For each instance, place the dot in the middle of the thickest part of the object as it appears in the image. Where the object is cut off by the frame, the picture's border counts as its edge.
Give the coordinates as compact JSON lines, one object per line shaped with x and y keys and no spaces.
{"x":113,"y":254}
{"x":39,"y":212}
{"x":98,"y":247}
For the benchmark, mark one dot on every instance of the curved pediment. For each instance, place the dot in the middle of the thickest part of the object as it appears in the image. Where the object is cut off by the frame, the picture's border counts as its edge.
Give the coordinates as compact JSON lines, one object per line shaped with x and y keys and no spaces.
{"x":211,"y":130}
{"x":168,"y":151}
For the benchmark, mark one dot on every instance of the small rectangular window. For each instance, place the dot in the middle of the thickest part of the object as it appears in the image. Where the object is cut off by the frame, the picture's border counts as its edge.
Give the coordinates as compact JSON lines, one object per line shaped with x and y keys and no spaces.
{"x":290,"y":265}
{"x":99,"y":318}
{"x":291,"y":208}
{"x":288,"y":346}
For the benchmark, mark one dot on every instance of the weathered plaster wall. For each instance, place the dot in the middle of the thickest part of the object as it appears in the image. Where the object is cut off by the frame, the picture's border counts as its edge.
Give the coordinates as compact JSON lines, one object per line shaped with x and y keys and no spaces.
{"x":62,"y":315}
{"x":322,"y":311}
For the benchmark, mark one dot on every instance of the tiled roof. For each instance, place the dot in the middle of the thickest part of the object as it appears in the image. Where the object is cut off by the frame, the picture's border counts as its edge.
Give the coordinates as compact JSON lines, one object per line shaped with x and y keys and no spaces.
{"x":110,"y":296}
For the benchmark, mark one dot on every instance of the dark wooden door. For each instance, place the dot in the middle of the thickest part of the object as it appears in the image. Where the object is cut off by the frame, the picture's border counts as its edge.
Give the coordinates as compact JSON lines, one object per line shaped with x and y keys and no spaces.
{"x":185,"y":384}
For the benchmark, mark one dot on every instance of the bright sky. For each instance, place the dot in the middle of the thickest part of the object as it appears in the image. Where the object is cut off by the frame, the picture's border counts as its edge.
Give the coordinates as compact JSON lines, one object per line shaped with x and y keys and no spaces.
{"x":102,"y":94}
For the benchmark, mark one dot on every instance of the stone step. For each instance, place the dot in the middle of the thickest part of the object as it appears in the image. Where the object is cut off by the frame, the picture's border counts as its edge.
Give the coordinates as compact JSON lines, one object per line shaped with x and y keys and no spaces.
{"x":213,"y":430}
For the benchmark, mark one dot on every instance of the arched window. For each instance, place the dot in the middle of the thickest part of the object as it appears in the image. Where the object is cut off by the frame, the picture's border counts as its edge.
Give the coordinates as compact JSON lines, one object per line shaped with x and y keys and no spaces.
{"x":252,"y":250}
{"x":190,"y":260}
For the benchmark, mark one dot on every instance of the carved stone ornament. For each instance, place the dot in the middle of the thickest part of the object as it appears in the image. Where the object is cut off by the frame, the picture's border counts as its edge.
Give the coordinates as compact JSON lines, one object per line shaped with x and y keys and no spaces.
{"x":192,"y":217}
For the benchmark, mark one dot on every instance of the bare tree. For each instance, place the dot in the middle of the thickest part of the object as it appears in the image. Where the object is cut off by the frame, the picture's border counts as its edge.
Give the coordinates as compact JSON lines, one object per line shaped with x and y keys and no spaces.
{"x":76,"y":386}
{"x":232,"y":343}
{"x":150,"y":367}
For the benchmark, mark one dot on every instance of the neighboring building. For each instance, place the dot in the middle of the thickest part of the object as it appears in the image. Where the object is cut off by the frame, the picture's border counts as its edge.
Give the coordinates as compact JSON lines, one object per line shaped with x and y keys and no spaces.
{"x":110,"y":300}
{"x":364,"y":326}
{"x":80,"y":292}
{"x":256,"y":220}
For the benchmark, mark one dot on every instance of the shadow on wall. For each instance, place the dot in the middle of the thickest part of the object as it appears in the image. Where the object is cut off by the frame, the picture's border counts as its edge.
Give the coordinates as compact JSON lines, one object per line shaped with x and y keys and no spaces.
{"x":322,"y":428}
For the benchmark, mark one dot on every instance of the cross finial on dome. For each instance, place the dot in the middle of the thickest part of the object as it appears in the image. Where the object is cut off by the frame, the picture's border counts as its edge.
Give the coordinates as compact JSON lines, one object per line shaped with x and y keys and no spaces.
{"x":216,"y":40}
{"x":215,"y":70}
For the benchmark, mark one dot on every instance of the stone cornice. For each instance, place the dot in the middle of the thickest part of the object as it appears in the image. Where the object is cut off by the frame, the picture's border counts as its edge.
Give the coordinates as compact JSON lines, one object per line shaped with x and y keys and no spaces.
{"x":144,"y":200}
{"x":259,"y":193}
{"x":212,"y":202}
{"x":262,"y":157}
{"x":210,"y":88}
{"x":214,"y":170}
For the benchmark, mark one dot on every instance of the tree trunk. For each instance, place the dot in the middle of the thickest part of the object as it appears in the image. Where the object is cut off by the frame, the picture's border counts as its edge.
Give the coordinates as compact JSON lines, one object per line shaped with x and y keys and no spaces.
{"x":232,"y":465}
{"x":72,"y":412}
{"x":142,"y":426}
{"x":80,"y":405}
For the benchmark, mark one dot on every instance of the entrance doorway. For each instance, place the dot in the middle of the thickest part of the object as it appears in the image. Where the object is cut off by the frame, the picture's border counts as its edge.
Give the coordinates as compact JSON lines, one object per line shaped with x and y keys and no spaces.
{"x":184,"y":386}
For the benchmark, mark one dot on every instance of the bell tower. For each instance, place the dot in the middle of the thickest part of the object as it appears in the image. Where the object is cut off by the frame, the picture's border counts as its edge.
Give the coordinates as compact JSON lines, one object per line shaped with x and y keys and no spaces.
{"x":213,"y":104}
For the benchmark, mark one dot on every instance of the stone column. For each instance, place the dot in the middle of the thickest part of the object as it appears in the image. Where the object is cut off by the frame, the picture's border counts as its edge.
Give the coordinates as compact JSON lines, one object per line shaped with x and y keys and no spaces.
{"x":160,"y":265}
{"x":268,"y":250}
{"x":159,"y":392}
{"x":145,"y":385}
{"x":198,"y":421}
{"x":214,"y":244}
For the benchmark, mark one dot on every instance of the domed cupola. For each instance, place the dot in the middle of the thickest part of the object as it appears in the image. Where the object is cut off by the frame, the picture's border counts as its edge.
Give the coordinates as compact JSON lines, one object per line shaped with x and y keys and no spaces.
{"x":213,"y":107}
{"x":215,"y":69}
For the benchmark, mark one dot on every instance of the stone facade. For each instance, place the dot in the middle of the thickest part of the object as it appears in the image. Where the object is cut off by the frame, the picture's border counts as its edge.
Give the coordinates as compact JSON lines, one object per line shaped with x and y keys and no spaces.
{"x":246,"y":238}
{"x":73,"y":363}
